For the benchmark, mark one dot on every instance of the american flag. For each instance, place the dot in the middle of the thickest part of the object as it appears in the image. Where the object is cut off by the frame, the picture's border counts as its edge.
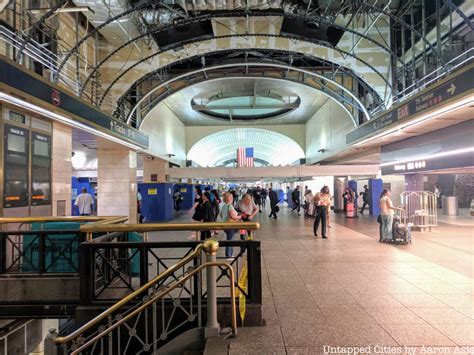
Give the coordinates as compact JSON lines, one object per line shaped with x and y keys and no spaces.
{"x":245,"y":157}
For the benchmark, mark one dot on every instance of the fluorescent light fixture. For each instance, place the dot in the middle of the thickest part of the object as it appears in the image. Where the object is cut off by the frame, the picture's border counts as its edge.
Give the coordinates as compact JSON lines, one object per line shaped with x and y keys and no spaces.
{"x":432,"y":156}
{"x":63,"y":10}
{"x":63,"y":119}
{"x":426,"y":117}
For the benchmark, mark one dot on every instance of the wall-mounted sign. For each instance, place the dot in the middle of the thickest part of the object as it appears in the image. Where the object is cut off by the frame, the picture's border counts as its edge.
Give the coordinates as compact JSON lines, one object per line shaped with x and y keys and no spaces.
{"x":454,"y":87}
{"x":183,"y":190}
{"x":463,"y":160}
{"x":152,"y":191}
{"x":55,"y":97}
{"x":410,"y":166}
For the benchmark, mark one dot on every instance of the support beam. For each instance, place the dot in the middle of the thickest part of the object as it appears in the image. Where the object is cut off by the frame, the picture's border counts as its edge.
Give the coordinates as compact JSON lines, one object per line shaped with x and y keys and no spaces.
{"x":300,"y":171}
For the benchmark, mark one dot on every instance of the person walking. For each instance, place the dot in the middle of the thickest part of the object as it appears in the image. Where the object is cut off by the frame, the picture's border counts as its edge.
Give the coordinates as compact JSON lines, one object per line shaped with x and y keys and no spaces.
{"x":248,"y":209}
{"x":386,"y":215}
{"x":295,"y":196}
{"x":365,"y":199}
{"x":206,"y":213}
{"x":273,"y":203}
{"x":308,"y":203}
{"x":257,"y":196}
{"x":216,"y":202}
{"x":437,"y":192}
{"x":347,"y":198}
{"x":264,"y":197}
{"x":84,"y":202}
{"x":322,"y":201}
{"x":229,"y":214}
{"x":178,"y":198}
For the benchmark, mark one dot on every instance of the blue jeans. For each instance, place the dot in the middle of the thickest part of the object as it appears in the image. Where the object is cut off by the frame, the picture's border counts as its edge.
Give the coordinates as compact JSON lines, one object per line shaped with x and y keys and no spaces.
{"x":387,"y":221}
{"x":229,"y":234}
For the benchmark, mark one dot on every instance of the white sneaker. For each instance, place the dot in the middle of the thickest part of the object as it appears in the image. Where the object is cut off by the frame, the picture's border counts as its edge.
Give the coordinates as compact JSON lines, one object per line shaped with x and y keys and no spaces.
{"x":230,"y":258}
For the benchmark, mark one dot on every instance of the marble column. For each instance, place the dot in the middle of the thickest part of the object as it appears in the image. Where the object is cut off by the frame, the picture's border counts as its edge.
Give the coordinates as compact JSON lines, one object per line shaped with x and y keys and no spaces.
{"x":154,"y":169}
{"x":116,"y":181}
{"x":61,"y":170}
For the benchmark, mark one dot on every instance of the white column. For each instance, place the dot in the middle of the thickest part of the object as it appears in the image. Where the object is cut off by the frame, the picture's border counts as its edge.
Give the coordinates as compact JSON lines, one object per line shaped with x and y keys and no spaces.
{"x":61,"y":168}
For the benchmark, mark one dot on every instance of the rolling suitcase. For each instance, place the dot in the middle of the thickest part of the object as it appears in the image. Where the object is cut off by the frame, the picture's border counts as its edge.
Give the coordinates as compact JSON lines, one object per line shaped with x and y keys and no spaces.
{"x":401,"y":232}
{"x":350,"y":210}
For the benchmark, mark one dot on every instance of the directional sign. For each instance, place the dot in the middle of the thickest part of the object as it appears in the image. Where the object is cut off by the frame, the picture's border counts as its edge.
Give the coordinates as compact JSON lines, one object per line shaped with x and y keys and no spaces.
{"x":427,"y":99}
{"x":30,"y":84}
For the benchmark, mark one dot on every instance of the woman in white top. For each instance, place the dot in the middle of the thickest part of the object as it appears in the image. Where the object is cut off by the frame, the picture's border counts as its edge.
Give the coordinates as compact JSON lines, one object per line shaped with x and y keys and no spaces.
{"x":248,"y":209}
{"x":229,"y":214}
{"x":386,"y":215}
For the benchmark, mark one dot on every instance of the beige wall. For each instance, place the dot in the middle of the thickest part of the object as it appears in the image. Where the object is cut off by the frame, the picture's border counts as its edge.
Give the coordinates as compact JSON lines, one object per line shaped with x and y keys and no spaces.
{"x":61,"y":171}
{"x":327,"y":130}
{"x":116,"y":181}
{"x":167,"y":134}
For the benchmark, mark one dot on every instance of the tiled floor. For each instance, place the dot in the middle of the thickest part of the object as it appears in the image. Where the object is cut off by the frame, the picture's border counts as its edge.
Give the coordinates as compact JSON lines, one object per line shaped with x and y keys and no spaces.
{"x":352,"y":291}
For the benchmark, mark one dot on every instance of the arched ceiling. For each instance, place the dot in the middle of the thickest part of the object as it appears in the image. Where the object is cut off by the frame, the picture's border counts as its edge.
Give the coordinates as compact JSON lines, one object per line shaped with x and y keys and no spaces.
{"x":308,"y":100}
{"x":271,"y":147}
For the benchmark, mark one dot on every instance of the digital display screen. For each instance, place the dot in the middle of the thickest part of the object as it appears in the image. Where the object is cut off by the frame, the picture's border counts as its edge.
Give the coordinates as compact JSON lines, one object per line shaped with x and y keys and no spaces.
{"x":40,"y":193}
{"x":15,"y":193}
{"x":16,"y":143}
{"x":41,"y":148}
{"x":17,"y":117}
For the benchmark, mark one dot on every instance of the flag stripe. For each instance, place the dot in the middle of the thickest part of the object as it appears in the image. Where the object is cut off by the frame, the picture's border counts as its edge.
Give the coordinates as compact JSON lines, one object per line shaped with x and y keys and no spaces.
{"x":245,"y":157}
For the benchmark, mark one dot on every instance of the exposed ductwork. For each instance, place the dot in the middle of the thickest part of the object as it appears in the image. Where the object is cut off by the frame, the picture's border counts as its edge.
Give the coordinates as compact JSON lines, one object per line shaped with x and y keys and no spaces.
{"x":116,"y":32}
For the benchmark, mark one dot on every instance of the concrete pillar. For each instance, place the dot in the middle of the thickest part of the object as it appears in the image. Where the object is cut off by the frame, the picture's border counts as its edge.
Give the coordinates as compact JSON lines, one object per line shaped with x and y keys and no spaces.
{"x":375,"y":190}
{"x":61,"y":170}
{"x":116,"y":181}
{"x":154,"y":169}
{"x":414,"y":182}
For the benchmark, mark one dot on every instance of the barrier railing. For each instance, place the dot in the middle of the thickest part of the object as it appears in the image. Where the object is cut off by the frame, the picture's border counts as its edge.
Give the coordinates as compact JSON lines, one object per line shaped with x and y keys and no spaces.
{"x":44,"y":245}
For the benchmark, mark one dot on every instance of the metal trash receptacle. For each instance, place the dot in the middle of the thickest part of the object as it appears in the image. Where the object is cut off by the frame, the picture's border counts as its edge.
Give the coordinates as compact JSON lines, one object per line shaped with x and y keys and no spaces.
{"x":450,"y":205}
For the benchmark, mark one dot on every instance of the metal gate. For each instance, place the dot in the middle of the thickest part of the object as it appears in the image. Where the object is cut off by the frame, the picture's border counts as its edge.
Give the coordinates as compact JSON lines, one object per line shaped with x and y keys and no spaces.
{"x":420,"y":209}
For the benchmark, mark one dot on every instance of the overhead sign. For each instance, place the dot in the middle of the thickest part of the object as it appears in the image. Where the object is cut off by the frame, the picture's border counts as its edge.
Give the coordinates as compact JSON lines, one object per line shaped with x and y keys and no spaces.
{"x":424,"y":101}
{"x":28,"y":83}
{"x":448,"y":162}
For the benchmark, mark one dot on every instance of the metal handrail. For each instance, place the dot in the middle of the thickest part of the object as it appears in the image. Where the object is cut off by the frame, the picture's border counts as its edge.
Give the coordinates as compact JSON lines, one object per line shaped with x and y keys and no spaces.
{"x":130,"y":297}
{"x":167,"y":227}
{"x":164,"y":293}
{"x":97,"y":219}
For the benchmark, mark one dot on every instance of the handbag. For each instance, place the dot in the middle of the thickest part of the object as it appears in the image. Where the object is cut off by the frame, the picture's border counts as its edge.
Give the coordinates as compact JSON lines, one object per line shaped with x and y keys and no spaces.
{"x":277,"y":209}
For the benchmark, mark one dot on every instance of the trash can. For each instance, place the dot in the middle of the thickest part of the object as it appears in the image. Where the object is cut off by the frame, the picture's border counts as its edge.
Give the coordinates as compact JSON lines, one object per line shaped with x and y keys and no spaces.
{"x":450,"y":205}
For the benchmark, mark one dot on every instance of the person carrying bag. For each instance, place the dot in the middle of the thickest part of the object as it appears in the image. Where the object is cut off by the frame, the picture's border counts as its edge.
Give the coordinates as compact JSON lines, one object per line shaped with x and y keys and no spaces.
{"x":229,"y":214}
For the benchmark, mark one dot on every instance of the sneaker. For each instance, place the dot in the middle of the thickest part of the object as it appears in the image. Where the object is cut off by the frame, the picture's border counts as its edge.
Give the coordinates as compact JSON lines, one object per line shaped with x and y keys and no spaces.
{"x":229,"y":258}
{"x":325,"y":237}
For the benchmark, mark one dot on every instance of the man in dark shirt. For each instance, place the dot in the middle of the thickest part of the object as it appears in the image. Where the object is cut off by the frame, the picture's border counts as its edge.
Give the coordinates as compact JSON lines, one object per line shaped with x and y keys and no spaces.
{"x":257,"y":196}
{"x":295,"y":196}
{"x":273,"y":203}
{"x":365,"y":198}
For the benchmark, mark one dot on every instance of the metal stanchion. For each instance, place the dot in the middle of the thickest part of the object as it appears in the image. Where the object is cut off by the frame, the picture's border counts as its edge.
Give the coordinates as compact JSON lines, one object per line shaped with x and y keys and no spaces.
{"x":212,"y":325}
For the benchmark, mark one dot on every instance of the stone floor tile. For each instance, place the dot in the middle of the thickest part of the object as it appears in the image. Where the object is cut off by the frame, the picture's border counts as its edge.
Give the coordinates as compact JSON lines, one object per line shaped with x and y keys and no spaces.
{"x":319,"y":350}
{"x":307,"y":336}
{"x":419,"y":301}
{"x":417,"y":335}
{"x":379,"y":301}
{"x":442,"y":315}
{"x":258,"y":351}
{"x":392,"y":315}
{"x":258,"y":337}
{"x":461,"y":334}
